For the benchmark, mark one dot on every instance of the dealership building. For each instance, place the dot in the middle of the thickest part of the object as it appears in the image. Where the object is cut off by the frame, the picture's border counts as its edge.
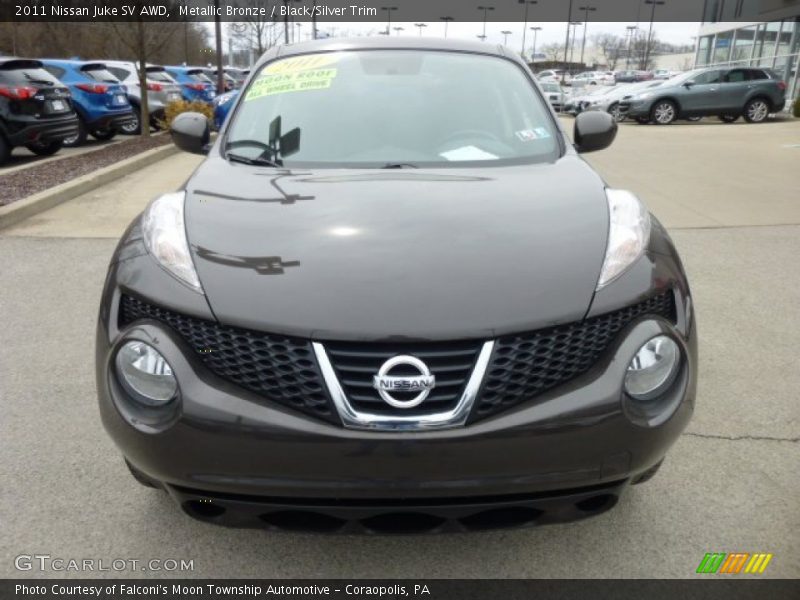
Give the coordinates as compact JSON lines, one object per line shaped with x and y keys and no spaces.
{"x":766,"y":34}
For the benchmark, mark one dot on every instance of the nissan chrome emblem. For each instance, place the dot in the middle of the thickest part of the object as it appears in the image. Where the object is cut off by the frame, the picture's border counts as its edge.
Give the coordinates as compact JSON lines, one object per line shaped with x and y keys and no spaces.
{"x":385,"y":383}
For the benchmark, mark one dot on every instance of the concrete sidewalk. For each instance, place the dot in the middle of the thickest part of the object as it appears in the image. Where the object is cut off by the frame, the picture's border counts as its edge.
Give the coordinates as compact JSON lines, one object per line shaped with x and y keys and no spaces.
{"x":107,"y":211}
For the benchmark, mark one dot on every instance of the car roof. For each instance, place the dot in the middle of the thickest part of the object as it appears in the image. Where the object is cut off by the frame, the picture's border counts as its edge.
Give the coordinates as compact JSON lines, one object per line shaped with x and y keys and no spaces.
{"x":385,"y":43}
{"x":74,"y":63}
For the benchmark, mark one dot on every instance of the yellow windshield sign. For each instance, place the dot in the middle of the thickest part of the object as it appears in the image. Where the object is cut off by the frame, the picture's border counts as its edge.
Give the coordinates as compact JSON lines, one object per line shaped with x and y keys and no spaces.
{"x":298,"y":74}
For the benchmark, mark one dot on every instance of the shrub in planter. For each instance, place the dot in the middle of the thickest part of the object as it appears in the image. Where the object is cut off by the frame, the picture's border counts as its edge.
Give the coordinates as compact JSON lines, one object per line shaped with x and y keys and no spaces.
{"x":173,"y":109}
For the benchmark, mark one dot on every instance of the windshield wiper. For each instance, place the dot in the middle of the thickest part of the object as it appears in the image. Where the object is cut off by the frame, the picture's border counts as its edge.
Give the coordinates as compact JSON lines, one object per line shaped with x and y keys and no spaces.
{"x":260,"y":161}
{"x":399,"y":166}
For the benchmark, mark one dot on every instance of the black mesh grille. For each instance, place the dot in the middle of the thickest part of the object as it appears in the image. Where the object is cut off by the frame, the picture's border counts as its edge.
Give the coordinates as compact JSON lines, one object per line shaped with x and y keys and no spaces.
{"x":525,"y":365}
{"x":279,"y":368}
{"x":355,"y":365}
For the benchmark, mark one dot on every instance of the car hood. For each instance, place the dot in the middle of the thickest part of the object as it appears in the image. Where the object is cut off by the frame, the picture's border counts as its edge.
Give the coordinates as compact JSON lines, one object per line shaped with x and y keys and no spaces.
{"x":413,"y":254}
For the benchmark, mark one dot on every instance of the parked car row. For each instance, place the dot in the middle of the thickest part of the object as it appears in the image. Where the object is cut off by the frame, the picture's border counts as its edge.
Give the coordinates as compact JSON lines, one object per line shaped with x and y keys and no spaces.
{"x":727,"y":93}
{"x":46,"y":104}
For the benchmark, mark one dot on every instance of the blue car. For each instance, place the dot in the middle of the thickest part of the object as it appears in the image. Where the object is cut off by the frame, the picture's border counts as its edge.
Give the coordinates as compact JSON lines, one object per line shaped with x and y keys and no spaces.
{"x":100,"y":100}
{"x":195,"y":84}
{"x":222,"y":106}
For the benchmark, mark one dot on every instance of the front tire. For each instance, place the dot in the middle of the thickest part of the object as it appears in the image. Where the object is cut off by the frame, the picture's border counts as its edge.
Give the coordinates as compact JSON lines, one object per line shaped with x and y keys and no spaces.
{"x":664,"y":112}
{"x":615,"y":112}
{"x":756,"y":110}
{"x":104,"y":134}
{"x":45,"y":149}
{"x":79,"y":138}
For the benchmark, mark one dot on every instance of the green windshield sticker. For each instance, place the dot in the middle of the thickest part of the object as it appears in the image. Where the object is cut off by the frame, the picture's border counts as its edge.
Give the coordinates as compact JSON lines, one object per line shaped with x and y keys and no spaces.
{"x":288,"y":82}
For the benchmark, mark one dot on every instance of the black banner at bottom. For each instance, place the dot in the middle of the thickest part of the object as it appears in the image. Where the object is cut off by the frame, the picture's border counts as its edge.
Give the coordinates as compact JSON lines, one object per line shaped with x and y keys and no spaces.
{"x":433,"y":589}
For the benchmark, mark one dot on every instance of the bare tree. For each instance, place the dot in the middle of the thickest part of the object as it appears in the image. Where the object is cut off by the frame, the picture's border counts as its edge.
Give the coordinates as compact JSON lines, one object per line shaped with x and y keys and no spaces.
{"x":254,"y":33}
{"x":553,"y":52}
{"x":612,"y":48}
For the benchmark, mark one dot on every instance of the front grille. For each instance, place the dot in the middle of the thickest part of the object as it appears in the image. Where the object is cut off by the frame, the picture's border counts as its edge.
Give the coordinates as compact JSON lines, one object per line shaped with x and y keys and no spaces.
{"x":450,"y":362}
{"x":525,"y":365}
{"x":276,"y":367}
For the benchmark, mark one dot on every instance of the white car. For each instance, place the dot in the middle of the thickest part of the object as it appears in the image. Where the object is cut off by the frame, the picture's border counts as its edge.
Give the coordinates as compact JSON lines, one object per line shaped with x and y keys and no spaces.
{"x":554,"y":75}
{"x":664,"y":74}
{"x":161,"y":90}
{"x":594,"y":78}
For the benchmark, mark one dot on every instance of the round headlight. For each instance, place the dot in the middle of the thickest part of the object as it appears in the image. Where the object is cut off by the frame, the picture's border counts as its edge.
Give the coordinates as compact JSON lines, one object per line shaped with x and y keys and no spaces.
{"x":146,"y":374}
{"x":653,"y":369}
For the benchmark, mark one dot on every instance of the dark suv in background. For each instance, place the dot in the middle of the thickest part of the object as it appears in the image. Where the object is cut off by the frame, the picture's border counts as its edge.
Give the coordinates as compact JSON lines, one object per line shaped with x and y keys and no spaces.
{"x":728,"y":93}
{"x":35,"y":109}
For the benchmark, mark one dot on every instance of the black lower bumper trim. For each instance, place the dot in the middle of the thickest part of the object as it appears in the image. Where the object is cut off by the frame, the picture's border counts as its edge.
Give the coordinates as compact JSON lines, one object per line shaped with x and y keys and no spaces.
{"x":45,"y":132}
{"x":397,"y":516}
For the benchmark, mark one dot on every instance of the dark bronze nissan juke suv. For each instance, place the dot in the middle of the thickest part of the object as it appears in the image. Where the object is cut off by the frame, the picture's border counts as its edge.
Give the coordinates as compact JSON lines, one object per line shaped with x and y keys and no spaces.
{"x":395,"y":298}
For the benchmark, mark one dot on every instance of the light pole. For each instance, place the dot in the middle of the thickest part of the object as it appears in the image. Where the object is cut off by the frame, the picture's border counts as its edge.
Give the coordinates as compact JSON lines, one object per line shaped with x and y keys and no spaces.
{"x":420,"y":26}
{"x":398,"y":29}
{"x":574,"y":25}
{"x":566,"y":43}
{"x":653,"y":3}
{"x":586,"y":10}
{"x":527,"y":4}
{"x":506,"y":33}
{"x":446,"y":23}
{"x":485,"y":10}
{"x":631,"y":32}
{"x":388,"y":10}
{"x":299,"y":37}
{"x":535,"y":31}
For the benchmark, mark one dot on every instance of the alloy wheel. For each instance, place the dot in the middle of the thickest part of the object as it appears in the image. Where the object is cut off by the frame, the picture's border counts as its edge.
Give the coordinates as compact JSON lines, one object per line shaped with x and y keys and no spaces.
{"x":757,"y":111}
{"x":664,"y":113}
{"x":132,"y":127}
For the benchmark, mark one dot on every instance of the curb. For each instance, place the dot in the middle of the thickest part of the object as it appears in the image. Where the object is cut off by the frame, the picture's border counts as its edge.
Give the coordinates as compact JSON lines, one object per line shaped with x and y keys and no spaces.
{"x":47,"y":199}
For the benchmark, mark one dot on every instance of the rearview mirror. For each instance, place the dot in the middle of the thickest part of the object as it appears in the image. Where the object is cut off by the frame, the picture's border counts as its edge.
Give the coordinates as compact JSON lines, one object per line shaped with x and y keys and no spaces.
{"x":191,"y":132}
{"x":594,"y":130}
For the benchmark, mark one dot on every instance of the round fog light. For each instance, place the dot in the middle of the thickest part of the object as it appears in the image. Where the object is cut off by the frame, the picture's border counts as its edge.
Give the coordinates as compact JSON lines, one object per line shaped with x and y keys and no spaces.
{"x":146,"y":374}
{"x":653,"y":369}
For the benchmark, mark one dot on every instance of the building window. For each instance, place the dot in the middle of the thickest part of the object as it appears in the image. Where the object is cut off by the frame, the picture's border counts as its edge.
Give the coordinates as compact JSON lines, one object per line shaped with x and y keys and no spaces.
{"x":704,"y":50}
{"x":743,"y":47}
{"x":722,"y":47}
{"x":766,"y":38}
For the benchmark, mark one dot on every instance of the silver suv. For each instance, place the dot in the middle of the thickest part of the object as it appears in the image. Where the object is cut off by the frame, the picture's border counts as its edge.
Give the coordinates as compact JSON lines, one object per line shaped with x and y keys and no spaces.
{"x":161,"y":90}
{"x":728,"y":93}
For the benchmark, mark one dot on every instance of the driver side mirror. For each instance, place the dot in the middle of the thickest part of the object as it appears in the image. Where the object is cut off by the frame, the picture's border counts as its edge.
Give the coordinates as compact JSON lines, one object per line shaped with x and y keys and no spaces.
{"x":191,"y":132}
{"x":593,"y":131}
{"x":688,"y":84}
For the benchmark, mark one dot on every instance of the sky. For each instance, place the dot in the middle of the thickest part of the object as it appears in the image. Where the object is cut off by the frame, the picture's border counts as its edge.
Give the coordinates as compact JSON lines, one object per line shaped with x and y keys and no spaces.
{"x":676,"y":33}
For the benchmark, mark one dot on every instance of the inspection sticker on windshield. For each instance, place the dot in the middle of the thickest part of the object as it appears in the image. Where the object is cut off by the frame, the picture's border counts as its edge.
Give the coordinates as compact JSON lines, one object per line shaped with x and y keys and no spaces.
{"x":528,"y":135}
{"x":287,"y":82}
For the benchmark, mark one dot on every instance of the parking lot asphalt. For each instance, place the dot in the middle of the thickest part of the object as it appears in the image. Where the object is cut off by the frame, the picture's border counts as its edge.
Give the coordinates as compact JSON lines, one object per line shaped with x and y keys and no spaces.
{"x":729,"y":195}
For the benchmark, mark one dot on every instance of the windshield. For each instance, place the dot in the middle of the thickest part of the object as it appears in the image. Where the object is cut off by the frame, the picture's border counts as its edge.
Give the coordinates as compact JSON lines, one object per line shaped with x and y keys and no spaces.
{"x":678,"y":79}
{"x":394,"y":107}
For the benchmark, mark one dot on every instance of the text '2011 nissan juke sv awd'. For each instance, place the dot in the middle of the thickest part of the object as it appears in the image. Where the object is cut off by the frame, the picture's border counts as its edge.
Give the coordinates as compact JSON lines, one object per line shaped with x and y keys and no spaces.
{"x":394,"y":298}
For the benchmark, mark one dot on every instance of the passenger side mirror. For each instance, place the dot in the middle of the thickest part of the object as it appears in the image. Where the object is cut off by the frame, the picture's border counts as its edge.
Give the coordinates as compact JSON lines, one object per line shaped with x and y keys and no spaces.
{"x":688,"y":84}
{"x":191,"y":132}
{"x":594,"y":131}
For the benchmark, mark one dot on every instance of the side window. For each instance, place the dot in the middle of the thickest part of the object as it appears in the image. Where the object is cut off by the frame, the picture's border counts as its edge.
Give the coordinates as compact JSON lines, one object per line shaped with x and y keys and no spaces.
{"x":758,"y":74}
{"x":56,"y":72}
{"x":708,"y":77}
{"x":736,"y":76}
